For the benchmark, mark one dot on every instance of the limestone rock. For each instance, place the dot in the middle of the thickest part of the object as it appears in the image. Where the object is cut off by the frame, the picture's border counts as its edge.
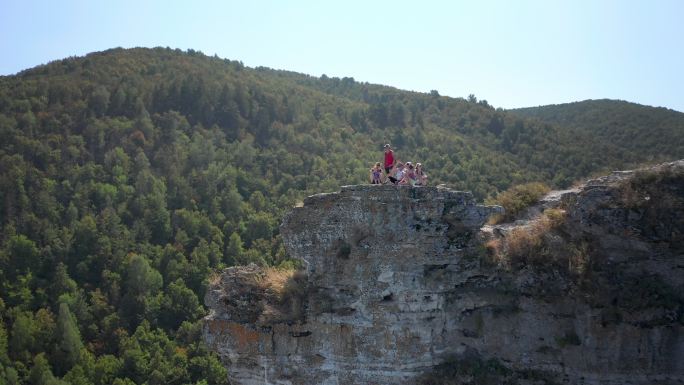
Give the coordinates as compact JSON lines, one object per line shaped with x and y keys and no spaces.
{"x":397,"y":280}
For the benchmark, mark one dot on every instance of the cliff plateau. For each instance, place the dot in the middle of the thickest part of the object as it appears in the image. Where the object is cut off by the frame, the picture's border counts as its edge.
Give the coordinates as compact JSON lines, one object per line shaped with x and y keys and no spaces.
{"x":406,"y":285}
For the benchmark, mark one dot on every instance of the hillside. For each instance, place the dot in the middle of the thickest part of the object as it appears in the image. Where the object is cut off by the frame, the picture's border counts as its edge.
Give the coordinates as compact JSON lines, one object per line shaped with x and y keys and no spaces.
{"x":128,"y":176}
{"x":631,"y":126}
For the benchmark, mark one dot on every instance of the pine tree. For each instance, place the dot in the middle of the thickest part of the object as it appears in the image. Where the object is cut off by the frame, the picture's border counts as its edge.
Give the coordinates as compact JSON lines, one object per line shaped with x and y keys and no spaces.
{"x":22,"y":340}
{"x":4,"y":359}
{"x":69,"y":342}
{"x":41,"y":374}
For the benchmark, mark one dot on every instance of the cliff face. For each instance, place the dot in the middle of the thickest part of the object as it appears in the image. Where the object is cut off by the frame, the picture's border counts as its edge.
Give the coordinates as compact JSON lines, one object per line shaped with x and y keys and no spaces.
{"x":400,"y":280}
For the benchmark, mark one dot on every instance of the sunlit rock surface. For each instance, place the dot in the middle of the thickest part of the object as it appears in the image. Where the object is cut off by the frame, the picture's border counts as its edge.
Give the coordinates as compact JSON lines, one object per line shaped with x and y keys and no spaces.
{"x":397,"y":279}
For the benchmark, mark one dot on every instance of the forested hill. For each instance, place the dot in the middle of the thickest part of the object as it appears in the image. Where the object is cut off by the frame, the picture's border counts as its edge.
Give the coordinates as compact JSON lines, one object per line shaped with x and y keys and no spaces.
{"x":632,"y":126}
{"x":128,"y":176}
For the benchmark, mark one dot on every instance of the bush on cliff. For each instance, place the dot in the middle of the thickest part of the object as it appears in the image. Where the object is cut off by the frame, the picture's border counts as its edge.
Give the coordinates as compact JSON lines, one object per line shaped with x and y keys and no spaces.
{"x":536,"y":244}
{"x":517,"y":198}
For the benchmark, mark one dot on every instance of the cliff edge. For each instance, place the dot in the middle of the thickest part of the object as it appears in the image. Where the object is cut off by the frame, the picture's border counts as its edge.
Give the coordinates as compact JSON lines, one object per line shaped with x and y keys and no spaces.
{"x":407,"y":285}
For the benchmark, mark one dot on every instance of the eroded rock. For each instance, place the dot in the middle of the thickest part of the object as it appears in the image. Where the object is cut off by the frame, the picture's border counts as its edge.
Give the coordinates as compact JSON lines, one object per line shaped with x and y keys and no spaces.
{"x":398,"y":280}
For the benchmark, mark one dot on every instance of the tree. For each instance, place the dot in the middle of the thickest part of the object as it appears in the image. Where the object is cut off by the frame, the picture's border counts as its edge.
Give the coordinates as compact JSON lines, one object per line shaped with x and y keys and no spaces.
{"x":257,"y":201}
{"x":142,"y":284}
{"x":22,"y":339}
{"x":259,"y":225}
{"x":179,"y":304}
{"x":496,"y":125}
{"x":77,"y":376}
{"x":44,"y":329}
{"x":142,"y":279}
{"x":41,"y":374}
{"x":9,"y":375}
{"x":69,"y":343}
{"x":378,"y":114}
{"x":62,"y":283}
{"x":397,"y":114}
{"x":23,"y":254}
{"x":234,"y":249}
{"x":99,"y":101}
{"x":210,"y":369}
{"x":107,"y":368}
{"x":4,"y":357}
{"x":86,"y":239}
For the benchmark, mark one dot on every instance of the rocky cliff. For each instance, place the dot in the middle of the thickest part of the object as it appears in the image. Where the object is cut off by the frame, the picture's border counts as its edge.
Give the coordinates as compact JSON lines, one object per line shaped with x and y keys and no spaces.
{"x":405,"y":285}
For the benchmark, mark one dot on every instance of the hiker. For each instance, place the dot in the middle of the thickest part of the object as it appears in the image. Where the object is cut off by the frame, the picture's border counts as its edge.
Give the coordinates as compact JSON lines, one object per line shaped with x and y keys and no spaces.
{"x":389,"y":159}
{"x":376,"y":174}
{"x":397,"y":173}
{"x":421,"y":176}
{"x":409,"y":176}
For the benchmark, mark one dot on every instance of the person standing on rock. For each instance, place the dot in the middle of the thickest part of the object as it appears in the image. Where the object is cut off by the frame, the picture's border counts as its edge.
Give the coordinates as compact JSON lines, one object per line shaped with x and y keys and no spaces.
{"x":389,"y":159}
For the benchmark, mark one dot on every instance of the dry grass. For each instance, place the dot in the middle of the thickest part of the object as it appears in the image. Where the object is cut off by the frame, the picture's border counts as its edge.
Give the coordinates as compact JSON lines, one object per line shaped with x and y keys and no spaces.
{"x":556,"y":217}
{"x":287,"y":289}
{"x":527,"y":244}
{"x":493,"y":247}
{"x":517,"y":198}
{"x":539,"y":245}
{"x":274,"y":280}
{"x":523,"y":242}
{"x":494,"y":219}
{"x":214,"y":278}
{"x":494,"y":252}
{"x":264,"y":295}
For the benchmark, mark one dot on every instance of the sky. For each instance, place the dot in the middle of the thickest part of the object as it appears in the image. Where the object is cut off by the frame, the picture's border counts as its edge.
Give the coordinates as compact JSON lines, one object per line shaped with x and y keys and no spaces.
{"x":511,"y":53}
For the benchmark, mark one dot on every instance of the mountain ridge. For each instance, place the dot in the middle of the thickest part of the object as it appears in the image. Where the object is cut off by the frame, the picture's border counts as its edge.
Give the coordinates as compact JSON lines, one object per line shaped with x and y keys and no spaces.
{"x":599,"y":100}
{"x":481,"y":127}
{"x":304,"y":76}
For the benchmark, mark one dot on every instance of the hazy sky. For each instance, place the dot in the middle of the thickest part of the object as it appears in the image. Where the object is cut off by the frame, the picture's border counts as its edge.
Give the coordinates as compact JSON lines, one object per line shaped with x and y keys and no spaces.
{"x":512,"y":53}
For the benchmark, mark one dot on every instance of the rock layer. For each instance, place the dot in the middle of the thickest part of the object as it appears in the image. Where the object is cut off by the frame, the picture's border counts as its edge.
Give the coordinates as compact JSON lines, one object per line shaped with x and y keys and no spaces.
{"x":397,"y":280}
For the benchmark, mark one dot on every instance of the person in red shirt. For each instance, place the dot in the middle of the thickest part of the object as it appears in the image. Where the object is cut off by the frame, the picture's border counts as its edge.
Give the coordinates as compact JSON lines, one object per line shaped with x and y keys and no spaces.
{"x":389,"y":159}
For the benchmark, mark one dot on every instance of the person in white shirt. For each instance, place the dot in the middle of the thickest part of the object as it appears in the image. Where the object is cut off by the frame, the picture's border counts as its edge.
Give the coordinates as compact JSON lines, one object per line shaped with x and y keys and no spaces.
{"x":398,"y":173}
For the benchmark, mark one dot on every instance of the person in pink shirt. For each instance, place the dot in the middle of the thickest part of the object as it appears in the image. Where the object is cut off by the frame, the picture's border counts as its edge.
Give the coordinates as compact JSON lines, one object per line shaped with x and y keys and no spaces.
{"x":389,"y":159}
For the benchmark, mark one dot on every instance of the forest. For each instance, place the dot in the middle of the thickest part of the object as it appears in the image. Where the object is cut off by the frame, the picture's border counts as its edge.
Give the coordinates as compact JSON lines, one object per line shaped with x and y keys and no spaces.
{"x":129,"y":177}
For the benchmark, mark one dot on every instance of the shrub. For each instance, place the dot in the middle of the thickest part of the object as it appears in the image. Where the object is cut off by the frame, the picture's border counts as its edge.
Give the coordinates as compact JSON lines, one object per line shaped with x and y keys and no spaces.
{"x":525,"y":244}
{"x":288,"y":288}
{"x":555,"y":216}
{"x":646,"y":186}
{"x":522,"y":243}
{"x":493,"y":248}
{"x":538,"y":245}
{"x":517,"y":198}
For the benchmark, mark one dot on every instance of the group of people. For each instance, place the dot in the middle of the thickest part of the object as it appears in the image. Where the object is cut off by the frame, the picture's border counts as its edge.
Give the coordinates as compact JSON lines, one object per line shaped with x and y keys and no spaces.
{"x":396,"y":172}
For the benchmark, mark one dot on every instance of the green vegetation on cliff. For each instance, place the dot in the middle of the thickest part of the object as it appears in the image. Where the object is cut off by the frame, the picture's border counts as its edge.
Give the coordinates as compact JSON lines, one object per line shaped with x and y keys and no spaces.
{"x":127,"y":176}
